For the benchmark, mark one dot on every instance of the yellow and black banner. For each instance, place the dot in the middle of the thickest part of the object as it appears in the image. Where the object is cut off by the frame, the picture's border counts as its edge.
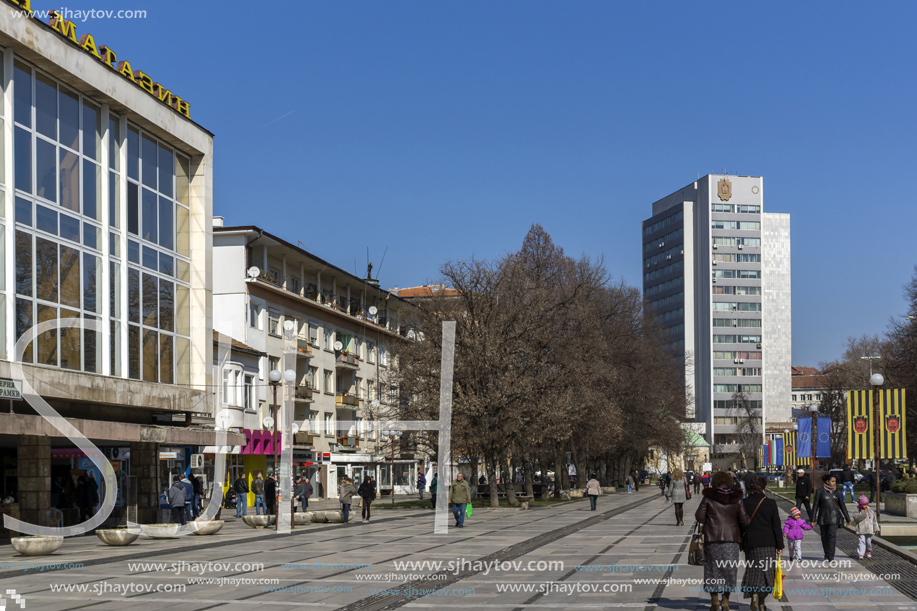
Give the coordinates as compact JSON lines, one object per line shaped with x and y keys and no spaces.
{"x":859,"y":425}
{"x":761,"y":456}
{"x":789,"y":449}
{"x":892,"y":443}
{"x":860,"y":422}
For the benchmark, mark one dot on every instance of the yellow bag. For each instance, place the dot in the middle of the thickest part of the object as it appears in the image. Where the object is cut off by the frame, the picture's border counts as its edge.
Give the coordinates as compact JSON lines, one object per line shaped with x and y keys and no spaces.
{"x":778,"y":581}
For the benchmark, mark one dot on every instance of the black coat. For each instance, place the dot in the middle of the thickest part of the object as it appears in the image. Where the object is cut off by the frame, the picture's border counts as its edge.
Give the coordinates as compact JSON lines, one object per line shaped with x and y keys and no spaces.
{"x":847,"y":476}
{"x":270,"y":491}
{"x":765,"y":529}
{"x":747,"y":479}
{"x":240,"y":486}
{"x":367,"y":490}
{"x":827,"y":511}
{"x":803,"y":487}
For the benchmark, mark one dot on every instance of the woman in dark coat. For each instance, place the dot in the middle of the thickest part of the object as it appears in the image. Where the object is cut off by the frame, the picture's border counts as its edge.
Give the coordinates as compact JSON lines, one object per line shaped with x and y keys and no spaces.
{"x":723,"y":517}
{"x":763,"y":541}
{"x":829,"y":512}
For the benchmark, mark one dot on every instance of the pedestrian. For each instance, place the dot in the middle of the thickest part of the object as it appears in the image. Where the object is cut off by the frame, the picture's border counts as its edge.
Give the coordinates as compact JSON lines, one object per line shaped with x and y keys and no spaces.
{"x":93,"y":492}
{"x":421,"y":484}
{"x":804,"y":492}
{"x":636,"y":482}
{"x":270,"y":494}
{"x":346,"y":492}
{"x":723,"y":517}
{"x":677,"y":492}
{"x":696,"y":478}
{"x":459,"y":497}
{"x":630,"y":484}
{"x":189,"y":496}
{"x":240,"y":487}
{"x":867,"y":526}
{"x":482,"y":480}
{"x":847,"y":480}
{"x":705,"y":480}
{"x":434,"y":486}
{"x":763,"y":542}
{"x":84,"y":498}
{"x":177,"y":502}
{"x":829,"y":512}
{"x":661,"y":483}
{"x":306,"y":493}
{"x":593,"y":491}
{"x":749,"y":477}
{"x":793,"y":528}
{"x":297,"y":491}
{"x":195,"y":496}
{"x":258,"y":491}
{"x":367,"y":492}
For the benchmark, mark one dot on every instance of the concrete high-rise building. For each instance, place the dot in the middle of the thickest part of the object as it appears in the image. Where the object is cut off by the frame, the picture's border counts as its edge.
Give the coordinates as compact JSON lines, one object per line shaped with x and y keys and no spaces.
{"x":716,"y":272}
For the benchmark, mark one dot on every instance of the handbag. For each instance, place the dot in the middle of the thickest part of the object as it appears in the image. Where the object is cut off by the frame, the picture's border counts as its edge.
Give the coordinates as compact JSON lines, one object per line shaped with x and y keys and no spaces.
{"x":697,"y":556}
{"x":469,"y":509}
{"x":745,"y":534}
{"x":778,"y":580}
{"x":687,"y":492}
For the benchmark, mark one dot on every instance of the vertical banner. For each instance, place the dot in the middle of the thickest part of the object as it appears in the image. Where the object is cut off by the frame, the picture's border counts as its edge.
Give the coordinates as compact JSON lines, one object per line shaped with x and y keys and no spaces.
{"x":778,"y":451}
{"x":761,"y":456}
{"x":892,"y":443}
{"x":804,"y":441}
{"x":859,"y":425}
{"x":823,"y":443}
{"x":789,"y":448}
{"x":767,"y":454}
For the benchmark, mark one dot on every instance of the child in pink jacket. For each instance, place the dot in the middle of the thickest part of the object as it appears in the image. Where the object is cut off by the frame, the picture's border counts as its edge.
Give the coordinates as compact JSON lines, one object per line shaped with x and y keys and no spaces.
{"x":792,"y":530}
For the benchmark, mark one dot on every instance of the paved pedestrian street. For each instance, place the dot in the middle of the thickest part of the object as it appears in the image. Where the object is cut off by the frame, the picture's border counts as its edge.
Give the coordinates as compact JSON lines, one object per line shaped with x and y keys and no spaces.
{"x":626,"y":555}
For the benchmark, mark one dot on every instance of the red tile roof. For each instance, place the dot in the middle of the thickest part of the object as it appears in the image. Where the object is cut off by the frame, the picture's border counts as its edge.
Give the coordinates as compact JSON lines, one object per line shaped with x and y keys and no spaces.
{"x":805,"y":371}
{"x":425,"y":291}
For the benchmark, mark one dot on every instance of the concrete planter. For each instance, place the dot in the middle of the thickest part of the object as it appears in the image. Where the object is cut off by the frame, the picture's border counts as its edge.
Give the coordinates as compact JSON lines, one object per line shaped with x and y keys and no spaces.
{"x":117,"y":536}
{"x":328,"y":516}
{"x":900,"y":504}
{"x":161,"y":531}
{"x":206,"y":528}
{"x":258,"y":521}
{"x":577,"y":494}
{"x":36,"y":546}
{"x":302,"y":517}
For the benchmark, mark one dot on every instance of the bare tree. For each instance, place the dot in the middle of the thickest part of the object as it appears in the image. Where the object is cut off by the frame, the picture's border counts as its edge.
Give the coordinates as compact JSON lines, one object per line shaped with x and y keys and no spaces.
{"x":748,"y":428}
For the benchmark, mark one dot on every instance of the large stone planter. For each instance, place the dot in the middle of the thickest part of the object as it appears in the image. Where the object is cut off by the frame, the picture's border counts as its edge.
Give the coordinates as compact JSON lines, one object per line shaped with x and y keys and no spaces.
{"x":327,"y":516}
{"x":206,"y":528}
{"x":117,"y":536}
{"x":302,"y":517}
{"x":258,"y":521}
{"x":609,"y":490}
{"x":577,"y":493}
{"x":161,"y":531}
{"x":36,"y":546}
{"x":900,"y":504}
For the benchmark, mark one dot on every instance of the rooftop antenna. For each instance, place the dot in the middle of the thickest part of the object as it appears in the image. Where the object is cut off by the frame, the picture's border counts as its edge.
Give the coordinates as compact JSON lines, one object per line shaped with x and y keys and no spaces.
{"x":381,"y":262}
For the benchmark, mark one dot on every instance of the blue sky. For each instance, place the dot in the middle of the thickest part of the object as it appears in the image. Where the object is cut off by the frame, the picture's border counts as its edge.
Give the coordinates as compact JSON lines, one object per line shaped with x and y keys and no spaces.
{"x":445,"y":129}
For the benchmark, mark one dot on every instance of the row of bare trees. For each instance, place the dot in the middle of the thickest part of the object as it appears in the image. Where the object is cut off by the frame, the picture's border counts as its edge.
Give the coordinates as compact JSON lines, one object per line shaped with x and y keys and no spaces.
{"x":897,"y":362}
{"x":552,"y":360}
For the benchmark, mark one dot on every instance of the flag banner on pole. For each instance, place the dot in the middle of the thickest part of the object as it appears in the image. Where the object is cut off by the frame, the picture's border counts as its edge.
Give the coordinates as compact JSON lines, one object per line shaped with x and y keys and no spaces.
{"x":778,"y":446}
{"x":761,"y":456}
{"x":823,"y":443}
{"x":772,"y":456}
{"x":804,"y":441}
{"x":859,"y":425}
{"x":892,"y":442}
{"x":789,"y":448}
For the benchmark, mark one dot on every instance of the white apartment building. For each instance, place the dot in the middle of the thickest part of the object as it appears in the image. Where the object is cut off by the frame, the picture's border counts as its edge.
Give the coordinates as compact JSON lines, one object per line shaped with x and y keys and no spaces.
{"x":343,"y":325}
{"x":717,"y":275}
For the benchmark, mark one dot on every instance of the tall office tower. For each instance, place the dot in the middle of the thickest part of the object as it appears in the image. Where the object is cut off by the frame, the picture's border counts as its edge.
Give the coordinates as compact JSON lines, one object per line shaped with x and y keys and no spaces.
{"x":716,"y":272}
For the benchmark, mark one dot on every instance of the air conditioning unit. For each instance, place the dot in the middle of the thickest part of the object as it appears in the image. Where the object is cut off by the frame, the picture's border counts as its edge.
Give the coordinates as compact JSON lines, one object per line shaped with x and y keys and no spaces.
{"x":197,"y":461}
{"x":736,"y":361}
{"x":759,"y":345}
{"x":740,"y":247}
{"x":668,"y":257}
{"x":714,"y":247}
{"x":661,"y":244}
{"x":742,"y":360}
{"x":714,"y":262}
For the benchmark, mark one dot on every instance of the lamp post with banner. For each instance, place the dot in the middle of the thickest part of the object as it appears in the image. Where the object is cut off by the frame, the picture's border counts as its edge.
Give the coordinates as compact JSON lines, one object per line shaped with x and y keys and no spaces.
{"x":877,"y":380}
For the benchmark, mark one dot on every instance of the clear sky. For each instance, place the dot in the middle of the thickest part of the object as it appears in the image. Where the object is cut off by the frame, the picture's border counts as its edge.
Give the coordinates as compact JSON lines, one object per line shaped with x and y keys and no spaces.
{"x":444,"y":129}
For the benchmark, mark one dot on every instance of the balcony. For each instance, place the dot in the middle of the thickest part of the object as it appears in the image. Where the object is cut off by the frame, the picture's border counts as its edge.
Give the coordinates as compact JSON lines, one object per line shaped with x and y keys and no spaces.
{"x":303,"y":393}
{"x":346,"y":360}
{"x":349,"y":441}
{"x":303,"y":347}
{"x":302,"y":439}
{"x":347,"y":401}
{"x":727,"y":448}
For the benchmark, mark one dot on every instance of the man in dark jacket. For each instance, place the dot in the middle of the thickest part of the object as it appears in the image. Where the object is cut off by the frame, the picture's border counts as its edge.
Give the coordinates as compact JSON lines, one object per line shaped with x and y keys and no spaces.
{"x":749,"y":477}
{"x":240,"y":487}
{"x":270,"y":494}
{"x":847,"y":479}
{"x":367,"y":492}
{"x":195,"y":496}
{"x":177,"y":502}
{"x":804,"y":492}
{"x":258,"y":491}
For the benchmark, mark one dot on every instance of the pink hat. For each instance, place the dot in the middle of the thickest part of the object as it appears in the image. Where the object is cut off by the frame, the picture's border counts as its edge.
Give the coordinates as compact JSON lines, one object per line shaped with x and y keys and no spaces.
{"x":794,"y":513}
{"x":862,"y":500}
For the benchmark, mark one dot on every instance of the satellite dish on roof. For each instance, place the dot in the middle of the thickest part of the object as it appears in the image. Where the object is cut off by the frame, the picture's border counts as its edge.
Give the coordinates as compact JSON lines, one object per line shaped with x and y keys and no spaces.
{"x":268,"y":422}
{"x":373,"y":310}
{"x":224,"y":419}
{"x":295,"y":428}
{"x":253,"y":272}
{"x":338,"y":346}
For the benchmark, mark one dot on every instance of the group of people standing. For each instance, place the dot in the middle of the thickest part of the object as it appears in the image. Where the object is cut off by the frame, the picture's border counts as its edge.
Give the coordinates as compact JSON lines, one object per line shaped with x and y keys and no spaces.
{"x":184,"y":498}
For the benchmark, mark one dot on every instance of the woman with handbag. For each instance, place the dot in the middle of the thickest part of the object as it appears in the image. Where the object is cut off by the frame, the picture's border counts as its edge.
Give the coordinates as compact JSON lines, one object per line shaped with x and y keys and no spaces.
{"x":762,"y":543}
{"x":829,"y":512}
{"x":723,"y":517}
{"x":593,"y":491}
{"x":677,"y":492}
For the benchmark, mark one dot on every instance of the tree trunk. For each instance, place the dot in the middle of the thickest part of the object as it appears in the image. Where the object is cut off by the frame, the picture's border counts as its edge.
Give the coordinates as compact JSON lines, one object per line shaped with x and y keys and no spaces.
{"x":492,"y":480}
{"x":509,"y":483}
{"x":528,"y":472}
{"x":582,"y":468}
{"x":561,"y":472}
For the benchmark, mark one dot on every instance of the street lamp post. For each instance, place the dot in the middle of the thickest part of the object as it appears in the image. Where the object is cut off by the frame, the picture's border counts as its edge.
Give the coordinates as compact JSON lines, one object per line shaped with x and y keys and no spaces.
{"x":877,"y":380}
{"x":813,"y":409}
{"x":275,"y":376}
{"x":393,"y":435}
{"x":795,"y":428}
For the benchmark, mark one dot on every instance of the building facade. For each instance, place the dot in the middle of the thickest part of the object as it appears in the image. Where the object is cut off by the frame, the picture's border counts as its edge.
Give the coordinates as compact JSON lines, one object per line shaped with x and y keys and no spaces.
{"x":343,"y":326}
{"x":717,"y":276}
{"x":105,"y":237}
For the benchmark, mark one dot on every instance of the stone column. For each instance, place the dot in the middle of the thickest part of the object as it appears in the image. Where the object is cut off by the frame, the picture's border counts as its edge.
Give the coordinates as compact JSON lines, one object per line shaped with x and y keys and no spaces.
{"x":143,"y":506}
{"x":34,"y":488}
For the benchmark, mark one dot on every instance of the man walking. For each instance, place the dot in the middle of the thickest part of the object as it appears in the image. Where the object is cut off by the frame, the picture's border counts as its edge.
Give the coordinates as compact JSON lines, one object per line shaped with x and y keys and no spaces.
{"x":367,"y":492}
{"x":258,"y":491}
{"x":195,"y":496}
{"x":240,"y":487}
{"x":459,"y":496}
{"x":421,"y":484}
{"x":696,"y":482}
{"x":189,"y":495}
{"x":270,"y":493}
{"x":177,"y":502}
{"x":847,"y":478}
{"x":804,"y":492}
{"x":304,"y":493}
{"x":434,"y":484}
